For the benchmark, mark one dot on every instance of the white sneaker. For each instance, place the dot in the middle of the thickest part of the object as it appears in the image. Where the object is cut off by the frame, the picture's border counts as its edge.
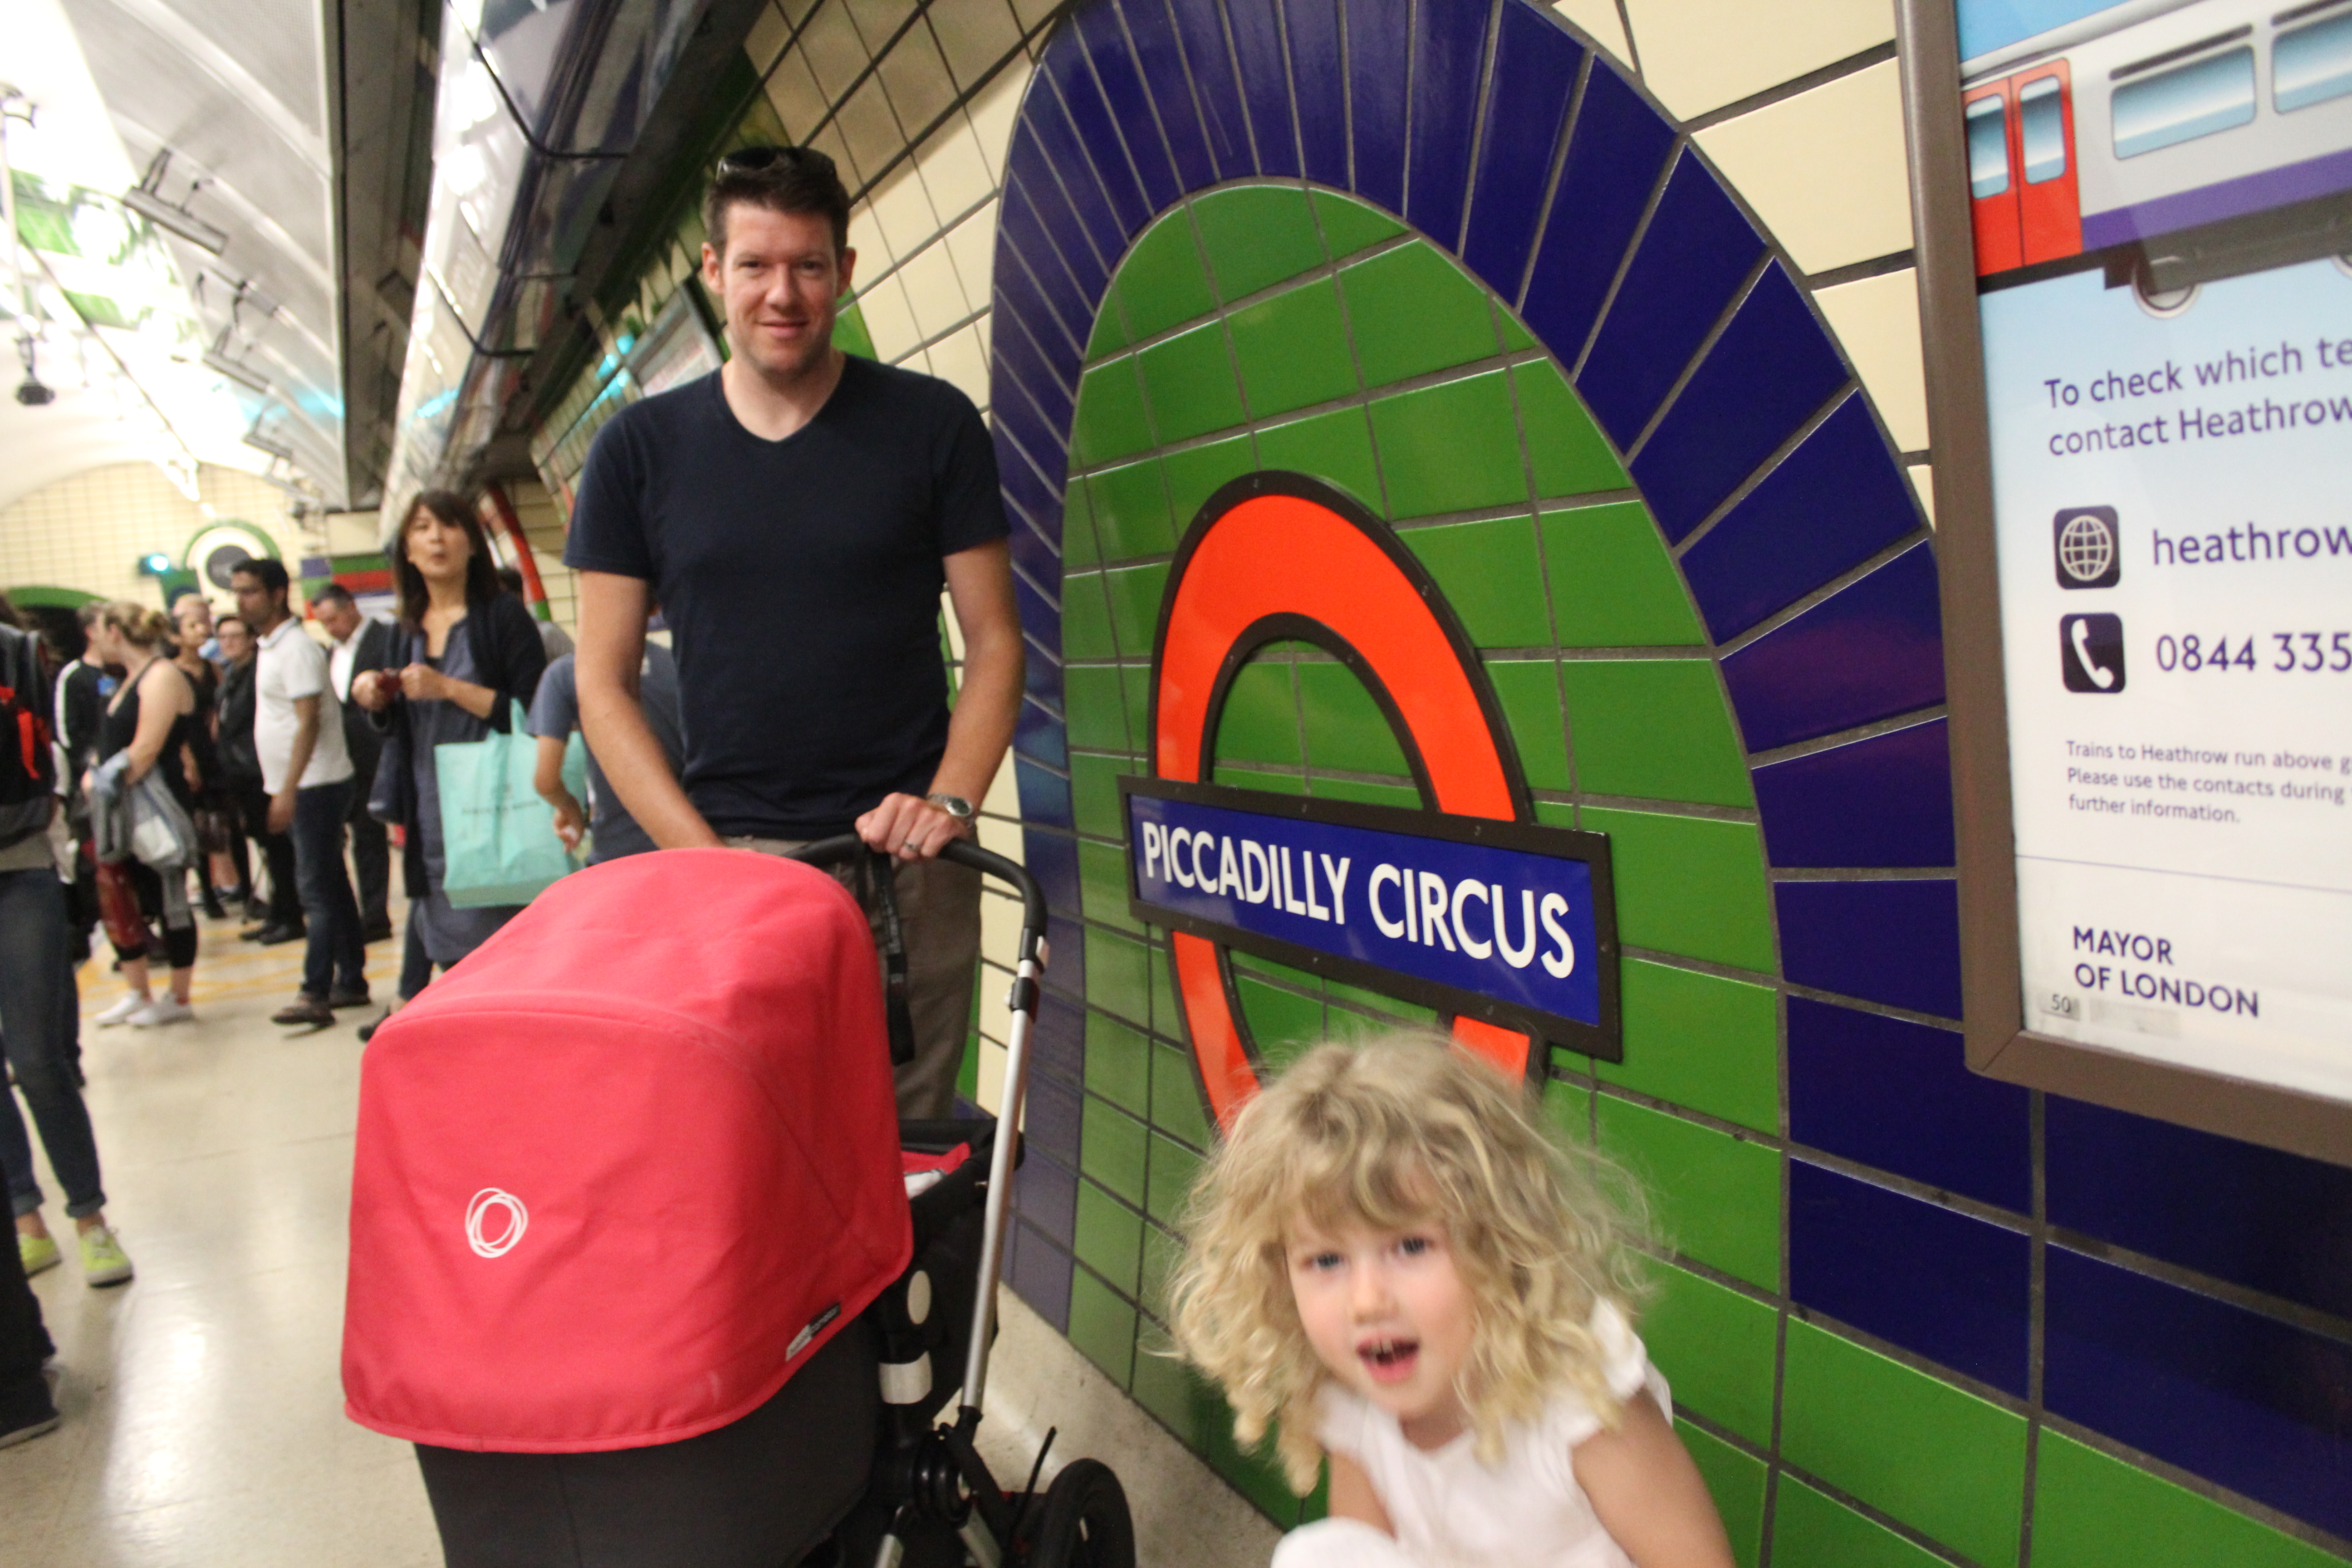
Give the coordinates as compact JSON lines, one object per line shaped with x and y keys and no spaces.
{"x":166,"y":1009}
{"x":121,"y":1011}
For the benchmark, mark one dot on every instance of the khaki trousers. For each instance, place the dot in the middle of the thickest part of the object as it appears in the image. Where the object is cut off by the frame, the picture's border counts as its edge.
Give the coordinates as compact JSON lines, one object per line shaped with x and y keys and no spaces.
{"x":938,"y":918}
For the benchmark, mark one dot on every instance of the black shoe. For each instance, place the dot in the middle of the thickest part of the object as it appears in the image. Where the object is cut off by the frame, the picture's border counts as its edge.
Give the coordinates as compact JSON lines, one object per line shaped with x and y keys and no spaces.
{"x":376,"y":930}
{"x":338,"y":999}
{"x":27,"y":1411}
{"x":253,"y":932}
{"x":368,"y":1029}
{"x":305,"y":1009}
{"x":275,"y":936}
{"x":213,"y":909}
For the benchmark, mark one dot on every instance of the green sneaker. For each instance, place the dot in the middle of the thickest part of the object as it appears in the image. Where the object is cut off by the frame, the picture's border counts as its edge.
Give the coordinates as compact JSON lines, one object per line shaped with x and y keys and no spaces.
{"x":36,"y":1253}
{"x":104,"y":1261}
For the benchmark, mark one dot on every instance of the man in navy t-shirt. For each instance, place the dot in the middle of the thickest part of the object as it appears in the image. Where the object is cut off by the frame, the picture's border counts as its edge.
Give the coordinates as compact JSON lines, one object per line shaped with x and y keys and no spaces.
{"x":796,"y":514}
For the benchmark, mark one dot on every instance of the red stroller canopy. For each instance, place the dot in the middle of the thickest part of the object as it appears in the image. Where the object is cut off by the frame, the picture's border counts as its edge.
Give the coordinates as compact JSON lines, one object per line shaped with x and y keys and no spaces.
{"x":619,"y":1172}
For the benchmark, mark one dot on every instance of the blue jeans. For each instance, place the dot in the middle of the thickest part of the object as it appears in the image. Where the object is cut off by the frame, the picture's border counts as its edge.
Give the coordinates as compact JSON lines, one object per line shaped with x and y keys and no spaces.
{"x":337,"y":954}
{"x":41,"y":1018}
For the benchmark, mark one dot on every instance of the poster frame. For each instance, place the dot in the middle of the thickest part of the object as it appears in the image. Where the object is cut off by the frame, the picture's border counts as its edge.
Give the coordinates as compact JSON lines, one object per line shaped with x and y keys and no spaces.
{"x":1997,"y":1043}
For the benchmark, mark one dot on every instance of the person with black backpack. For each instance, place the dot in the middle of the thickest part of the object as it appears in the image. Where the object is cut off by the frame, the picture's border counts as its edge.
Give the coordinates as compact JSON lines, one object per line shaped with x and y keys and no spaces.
{"x":39,"y":1012}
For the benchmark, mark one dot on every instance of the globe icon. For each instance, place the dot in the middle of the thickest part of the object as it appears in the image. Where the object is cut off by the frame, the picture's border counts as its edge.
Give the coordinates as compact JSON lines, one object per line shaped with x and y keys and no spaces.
{"x":2086,"y":547}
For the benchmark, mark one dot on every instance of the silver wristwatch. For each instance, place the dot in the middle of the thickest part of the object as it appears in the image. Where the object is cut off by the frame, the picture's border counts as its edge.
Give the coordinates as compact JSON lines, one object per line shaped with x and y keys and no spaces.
{"x":955,"y":806}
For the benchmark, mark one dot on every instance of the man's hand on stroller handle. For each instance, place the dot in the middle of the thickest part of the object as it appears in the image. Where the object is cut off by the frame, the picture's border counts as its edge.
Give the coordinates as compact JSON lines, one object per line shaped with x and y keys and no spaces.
{"x":910,"y":827}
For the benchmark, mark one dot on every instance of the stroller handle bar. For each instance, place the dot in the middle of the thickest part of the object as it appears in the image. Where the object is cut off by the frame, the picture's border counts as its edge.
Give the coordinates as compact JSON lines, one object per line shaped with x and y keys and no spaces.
{"x":1029,"y":970}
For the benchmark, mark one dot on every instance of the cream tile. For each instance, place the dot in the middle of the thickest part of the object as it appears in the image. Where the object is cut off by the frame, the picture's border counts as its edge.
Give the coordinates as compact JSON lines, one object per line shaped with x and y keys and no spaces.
{"x":1600,"y":21}
{"x":972,"y":243}
{"x":963,"y":361}
{"x":916,"y":81}
{"x":1699,"y":55}
{"x":871,"y":128}
{"x":902,"y":207}
{"x":933,"y":290}
{"x":829,"y":143}
{"x":835,"y":53}
{"x":1033,"y":12}
{"x":974,"y":35}
{"x":769,"y":35}
{"x":993,"y":112}
{"x":1877,"y":320}
{"x":1824,"y":170}
{"x":799,"y":102}
{"x":954,"y":172}
{"x":889,"y":319}
{"x":879,"y":20}
{"x":1923,"y":479}
{"x":866,"y":238}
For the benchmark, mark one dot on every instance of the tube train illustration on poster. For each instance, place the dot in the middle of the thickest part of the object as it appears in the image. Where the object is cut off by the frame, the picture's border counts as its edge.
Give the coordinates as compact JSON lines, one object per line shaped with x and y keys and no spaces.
{"x":2171,"y":141}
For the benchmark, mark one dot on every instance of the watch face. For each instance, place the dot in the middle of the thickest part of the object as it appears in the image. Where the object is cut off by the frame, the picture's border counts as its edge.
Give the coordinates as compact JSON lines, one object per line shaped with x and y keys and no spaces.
{"x":955,"y":806}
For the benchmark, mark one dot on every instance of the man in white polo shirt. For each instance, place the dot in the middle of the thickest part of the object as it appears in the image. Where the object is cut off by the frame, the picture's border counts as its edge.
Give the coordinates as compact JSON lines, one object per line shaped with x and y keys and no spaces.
{"x":307,"y":774}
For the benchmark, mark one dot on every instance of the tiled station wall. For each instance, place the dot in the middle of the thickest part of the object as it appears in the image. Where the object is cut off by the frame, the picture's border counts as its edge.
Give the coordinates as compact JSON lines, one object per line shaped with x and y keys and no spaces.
{"x":1618,"y":331}
{"x":89,"y":532}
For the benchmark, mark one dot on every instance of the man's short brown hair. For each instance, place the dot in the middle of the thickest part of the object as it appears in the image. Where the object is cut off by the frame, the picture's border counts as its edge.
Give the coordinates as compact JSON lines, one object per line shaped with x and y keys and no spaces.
{"x":781,"y":179}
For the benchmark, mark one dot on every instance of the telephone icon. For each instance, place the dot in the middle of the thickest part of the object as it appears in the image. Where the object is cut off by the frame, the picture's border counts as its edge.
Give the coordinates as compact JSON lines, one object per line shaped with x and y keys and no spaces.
{"x":2091,"y":653}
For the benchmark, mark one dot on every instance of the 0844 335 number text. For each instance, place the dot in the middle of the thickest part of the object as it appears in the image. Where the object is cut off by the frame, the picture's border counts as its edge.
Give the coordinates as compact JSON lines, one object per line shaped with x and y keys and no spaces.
{"x":2304,"y":653}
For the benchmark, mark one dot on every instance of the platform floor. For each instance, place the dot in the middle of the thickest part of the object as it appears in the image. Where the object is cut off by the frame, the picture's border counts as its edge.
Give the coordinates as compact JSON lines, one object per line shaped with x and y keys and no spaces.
{"x":203,"y":1407}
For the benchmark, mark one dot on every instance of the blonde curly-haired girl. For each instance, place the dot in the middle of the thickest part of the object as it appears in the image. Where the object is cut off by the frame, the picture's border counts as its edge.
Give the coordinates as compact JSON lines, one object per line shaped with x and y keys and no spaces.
{"x":1390,"y":1264}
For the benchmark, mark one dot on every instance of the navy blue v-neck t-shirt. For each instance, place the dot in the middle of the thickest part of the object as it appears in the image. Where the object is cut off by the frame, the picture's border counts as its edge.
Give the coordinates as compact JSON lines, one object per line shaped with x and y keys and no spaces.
{"x":801,"y":580}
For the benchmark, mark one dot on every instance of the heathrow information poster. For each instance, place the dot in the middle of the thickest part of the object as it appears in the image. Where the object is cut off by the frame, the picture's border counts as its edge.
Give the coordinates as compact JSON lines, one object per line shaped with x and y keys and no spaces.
{"x":2159,"y":195}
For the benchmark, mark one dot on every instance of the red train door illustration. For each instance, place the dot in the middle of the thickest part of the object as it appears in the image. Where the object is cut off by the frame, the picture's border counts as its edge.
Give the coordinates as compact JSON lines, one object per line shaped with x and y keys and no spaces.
{"x":2049,"y":208}
{"x":1992,"y":178}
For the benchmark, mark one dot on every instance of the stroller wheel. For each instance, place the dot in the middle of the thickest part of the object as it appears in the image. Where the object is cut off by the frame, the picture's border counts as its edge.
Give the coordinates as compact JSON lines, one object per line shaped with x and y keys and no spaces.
{"x":1085,"y":1524}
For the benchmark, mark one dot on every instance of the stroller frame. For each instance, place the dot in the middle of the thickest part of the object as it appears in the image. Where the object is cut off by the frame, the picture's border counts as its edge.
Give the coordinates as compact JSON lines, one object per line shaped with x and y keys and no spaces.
{"x":933,"y":1479}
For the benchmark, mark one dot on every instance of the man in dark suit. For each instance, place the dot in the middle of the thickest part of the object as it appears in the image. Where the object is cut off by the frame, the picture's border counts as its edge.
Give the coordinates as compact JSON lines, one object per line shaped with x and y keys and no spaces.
{"x":360,"y":644}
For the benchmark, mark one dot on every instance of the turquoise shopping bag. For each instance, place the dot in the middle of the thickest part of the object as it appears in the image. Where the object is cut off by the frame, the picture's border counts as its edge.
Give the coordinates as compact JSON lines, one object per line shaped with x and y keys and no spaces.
{"x":498,"y":837}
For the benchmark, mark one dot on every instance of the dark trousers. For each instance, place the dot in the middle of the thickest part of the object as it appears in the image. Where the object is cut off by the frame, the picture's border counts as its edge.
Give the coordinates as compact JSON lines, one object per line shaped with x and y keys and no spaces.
{"x":415,"y":964}
{"x":337,"y":957}
{"x":41,"y":1019}
{"x":24,"y":1346}
{"x":277,"y":854}
{"x":370,"y":856}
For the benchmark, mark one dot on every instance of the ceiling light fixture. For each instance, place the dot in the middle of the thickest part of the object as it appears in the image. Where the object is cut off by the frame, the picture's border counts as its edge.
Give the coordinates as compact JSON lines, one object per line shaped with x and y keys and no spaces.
{"x":270,"y":446}
{"x":146,"y":199}
{"x":216,"y":359}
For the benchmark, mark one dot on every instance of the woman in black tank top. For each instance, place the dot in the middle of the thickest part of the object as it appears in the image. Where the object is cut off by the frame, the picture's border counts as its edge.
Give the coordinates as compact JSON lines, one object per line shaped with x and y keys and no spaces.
{"x":151,"y":718}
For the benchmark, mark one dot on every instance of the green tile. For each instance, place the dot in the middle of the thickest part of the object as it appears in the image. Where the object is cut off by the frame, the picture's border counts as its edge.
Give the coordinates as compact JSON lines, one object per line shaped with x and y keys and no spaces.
{"x":1086,"y":617}
{"x":1166,"y":1017}
{"x":1162,"y":283}
{"x":1110,"y":334}
{"x":1528,"y":690}
{"x":1189,"y":382}
{"x":1735,"y":1479}
{"x":1094,"y":793}
{"x":1131,"y":512}
{"x":1413,"y":311}
{"x":1944,"y":1462}
{"x":1176,"y":1106}
{"x":1515,"y":336}
{"x":1450,"y":448}
{"x":1686,"y":885}
{"x":1260,"y":721}
{"x":1379,"y":1002}
{"x":1655,"y":728}
{"x":1293,"y":349}
{"x":1335,"y":448}
{"x":1256,"y":236}
{"x":1489,"y":574}
{"x":1717,"y":1348}
{"x":1716,"y":1197}
{"x":1079,"y":546}
{"x":1351,"y":226}
{"x":1570,"y":455}
{"x":1135,"y":606}
{"x":1118,"y":1063}
{"x":850,"y":332}
{"x":1284,"y":1025}
{"x":2093,"y":1510}
{"x":1403,"y":794}
{"x":1612,"y":583}
{"x":1174,"y":1395}
{"x":1109,"y":423}
{"x":1173,"y":1166}
{"x":1111,"y":1149}
{"x":1161,"y":1253}
{"x":1135,"y":690}
{"x":1700,"y":1040}
{"x":1109,"y":1239}
{"x":1102,"y":883}
{"x":1102,"y":1326}
{"x":1243,"y":776}
{"x":1192,"y":1408}
{"x":1345,"y":728}
{"x":1810,"y":1531}
{"x":1196,"y":473}
{"x":1116,"y":975}
{"x":1569,"y":1106}
{"x":1094,"y":708}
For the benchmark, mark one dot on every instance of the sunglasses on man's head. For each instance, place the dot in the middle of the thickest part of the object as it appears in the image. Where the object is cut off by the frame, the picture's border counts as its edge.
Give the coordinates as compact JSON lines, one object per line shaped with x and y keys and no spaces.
{"x":751,"y":160}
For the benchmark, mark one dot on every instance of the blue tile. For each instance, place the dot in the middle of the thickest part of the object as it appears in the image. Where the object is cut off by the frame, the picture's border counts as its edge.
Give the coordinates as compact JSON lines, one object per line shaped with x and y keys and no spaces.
{"x":1449,"y":47}
{"x":1126,"y":102}
{"x":1068,"y":244}
{"x":1899,"y":1096}
{"x":1058,"y":1042}
{"x":1202,"y":30}
{"x":1831,"y":504}
{"x":1616,"y":148}
{"x":1161,"y":63}
{"x":1318,"y":71}
{"x":1065,"y":945}
{"x":1035,"y":449}
{"x":1017,"y":353}
{"x":1380,"y":44}
{"x":1935,"y":1281}
{"x":2259,"y":1407}
{"x":1094,"y":176}
{"x":1692,"y":258}
{"x":1040,"y":1274}
{"x":2273,"y":1221}
{"x":1051,"y":1127}
{"x":1038,"y":737}
{"x":1873,"y":649}
{"x":1772,"y":371}
{"x":1041,"y":678}
{"x":1527,"y":98}
{"x":1051,"y":857}
{"x":1896,"y":942}
{"x":1036,"y":565}
{"x":1041,"y":619}
{"x":1031,"y":279}
{"x":1265,"y":84}
{"x":1886,"y":801}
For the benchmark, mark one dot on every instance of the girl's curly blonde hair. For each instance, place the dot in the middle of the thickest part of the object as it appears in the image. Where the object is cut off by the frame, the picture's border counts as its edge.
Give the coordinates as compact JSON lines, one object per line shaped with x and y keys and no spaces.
{"x":1396,"y":1131}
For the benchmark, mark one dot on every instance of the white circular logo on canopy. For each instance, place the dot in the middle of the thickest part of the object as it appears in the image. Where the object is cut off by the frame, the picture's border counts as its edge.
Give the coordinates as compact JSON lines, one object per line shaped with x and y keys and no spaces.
{"x":479,"y":1221}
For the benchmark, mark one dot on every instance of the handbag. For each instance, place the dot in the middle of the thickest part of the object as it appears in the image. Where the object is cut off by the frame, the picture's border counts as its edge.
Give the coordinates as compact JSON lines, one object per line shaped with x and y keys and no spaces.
{"x":162,"y":836}
{"x":499,"y":845}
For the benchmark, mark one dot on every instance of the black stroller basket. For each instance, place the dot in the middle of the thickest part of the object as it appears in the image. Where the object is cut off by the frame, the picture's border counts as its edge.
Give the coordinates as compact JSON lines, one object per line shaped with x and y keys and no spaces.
{"x":931,"y":1501}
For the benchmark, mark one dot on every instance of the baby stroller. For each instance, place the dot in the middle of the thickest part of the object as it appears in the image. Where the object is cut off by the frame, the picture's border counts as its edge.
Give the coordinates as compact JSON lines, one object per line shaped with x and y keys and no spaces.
{"x":645,"y":1266}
